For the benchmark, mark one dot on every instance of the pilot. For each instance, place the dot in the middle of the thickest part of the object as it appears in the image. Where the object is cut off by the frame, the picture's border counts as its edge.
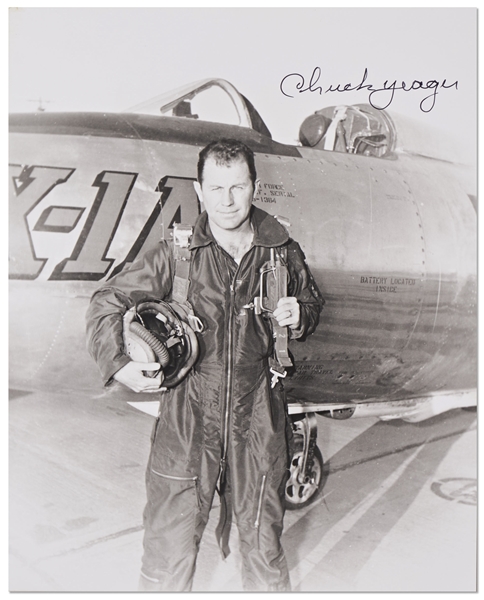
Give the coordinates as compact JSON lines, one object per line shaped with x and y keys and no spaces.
{"x":224,"y":427}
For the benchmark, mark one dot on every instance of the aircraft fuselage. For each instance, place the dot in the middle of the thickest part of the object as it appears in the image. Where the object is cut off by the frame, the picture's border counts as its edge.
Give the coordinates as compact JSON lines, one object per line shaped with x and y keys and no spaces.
{"x":391,"y":244}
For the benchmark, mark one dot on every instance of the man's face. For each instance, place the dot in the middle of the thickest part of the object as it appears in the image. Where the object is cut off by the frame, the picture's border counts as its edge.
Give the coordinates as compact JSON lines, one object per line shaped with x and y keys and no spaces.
{"x":227,"y":193}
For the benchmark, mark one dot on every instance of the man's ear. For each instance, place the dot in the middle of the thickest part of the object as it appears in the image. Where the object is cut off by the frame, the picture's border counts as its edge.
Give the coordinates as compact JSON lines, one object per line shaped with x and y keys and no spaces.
{"x":198,"y":190}
{"x":257,"y":187}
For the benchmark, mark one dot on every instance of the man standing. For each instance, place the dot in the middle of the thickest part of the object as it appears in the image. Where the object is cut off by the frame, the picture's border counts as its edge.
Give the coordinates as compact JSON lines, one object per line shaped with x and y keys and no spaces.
{"x":224,"y":427}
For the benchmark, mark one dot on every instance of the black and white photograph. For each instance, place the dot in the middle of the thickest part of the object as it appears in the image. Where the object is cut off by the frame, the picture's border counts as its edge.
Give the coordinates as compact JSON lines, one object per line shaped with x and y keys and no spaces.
{"x":242,"y":261}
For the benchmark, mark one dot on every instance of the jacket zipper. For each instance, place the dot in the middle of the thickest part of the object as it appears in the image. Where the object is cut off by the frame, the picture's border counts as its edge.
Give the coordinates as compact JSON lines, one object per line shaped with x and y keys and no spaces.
{"x":228,"y":392}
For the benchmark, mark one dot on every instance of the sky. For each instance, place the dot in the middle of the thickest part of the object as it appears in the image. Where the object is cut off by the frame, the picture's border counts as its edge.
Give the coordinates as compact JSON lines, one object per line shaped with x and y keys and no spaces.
{"x":108,"y":59}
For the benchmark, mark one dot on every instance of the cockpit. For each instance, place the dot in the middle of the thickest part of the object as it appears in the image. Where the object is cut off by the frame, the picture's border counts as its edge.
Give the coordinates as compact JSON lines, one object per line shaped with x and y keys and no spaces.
{"x":355,"y":129}
{"x":358,"y":129}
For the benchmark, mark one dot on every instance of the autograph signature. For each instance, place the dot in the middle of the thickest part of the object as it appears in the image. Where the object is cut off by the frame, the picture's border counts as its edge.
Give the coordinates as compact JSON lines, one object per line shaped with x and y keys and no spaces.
{"x":376,"y":96}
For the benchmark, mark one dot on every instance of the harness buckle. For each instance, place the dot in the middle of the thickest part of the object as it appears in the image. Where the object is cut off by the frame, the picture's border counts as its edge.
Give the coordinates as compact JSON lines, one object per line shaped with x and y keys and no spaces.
{"x":276,"y":375}
{"x":182,"y":234}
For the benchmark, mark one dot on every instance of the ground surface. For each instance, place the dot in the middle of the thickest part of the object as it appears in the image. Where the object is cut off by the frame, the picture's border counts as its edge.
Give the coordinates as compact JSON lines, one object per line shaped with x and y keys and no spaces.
{"x":398,"y":510}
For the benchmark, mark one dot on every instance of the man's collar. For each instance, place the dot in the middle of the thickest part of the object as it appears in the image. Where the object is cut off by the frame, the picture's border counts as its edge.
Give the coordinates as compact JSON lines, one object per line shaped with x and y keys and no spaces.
{"x":268,"y":232}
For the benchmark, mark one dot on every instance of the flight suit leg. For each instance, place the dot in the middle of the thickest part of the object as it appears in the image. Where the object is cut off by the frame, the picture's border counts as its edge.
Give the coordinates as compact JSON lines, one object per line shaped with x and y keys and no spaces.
{"x":259,"y":506}
{"x":264,"y":565}
{"x":174,"y":522}
{"x":175,"y":516}
{"x":259,"y":469}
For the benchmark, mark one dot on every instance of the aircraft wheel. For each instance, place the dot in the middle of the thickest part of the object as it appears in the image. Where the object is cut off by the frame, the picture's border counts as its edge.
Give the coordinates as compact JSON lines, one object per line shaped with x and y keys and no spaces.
{"x":299,"y":495}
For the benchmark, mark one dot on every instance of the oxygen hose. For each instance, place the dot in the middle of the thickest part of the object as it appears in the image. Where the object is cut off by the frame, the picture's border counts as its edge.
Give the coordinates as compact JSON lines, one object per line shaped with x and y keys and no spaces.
{"x":158,"y":347}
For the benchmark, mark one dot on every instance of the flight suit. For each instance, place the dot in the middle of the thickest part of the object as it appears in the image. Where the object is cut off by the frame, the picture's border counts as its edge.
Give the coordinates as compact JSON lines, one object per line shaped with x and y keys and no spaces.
{"x":223,"y":427}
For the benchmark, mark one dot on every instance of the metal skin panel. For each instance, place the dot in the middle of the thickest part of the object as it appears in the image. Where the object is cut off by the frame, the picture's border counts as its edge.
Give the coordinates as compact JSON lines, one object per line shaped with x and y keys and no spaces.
{"x":393,"y":325}
{"x":391,"y":244}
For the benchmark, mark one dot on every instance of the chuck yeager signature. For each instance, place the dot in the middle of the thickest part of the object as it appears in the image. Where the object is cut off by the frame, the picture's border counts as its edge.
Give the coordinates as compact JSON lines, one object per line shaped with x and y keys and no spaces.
{"x":379,"y":97}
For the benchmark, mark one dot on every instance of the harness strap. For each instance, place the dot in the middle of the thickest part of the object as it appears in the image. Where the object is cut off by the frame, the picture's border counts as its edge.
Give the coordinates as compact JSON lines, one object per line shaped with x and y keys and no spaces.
{"x":280,"y":333}
{"x":182,"y":234}
{"x":274,"y":281}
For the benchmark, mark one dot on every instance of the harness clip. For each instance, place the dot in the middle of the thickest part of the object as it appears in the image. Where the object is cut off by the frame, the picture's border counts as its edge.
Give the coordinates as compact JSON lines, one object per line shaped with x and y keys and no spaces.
{"x":182,"y":234}
{"x":276,"y":375}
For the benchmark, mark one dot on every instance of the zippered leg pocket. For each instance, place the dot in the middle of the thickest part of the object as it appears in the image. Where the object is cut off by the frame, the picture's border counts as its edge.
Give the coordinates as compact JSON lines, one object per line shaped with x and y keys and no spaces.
{"x":173,"y":526}
{"x":186,"y":479}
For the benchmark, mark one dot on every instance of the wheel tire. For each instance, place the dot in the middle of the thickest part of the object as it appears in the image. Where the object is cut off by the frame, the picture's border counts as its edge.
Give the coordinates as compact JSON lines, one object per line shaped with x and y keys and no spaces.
{"x":299,"y":495}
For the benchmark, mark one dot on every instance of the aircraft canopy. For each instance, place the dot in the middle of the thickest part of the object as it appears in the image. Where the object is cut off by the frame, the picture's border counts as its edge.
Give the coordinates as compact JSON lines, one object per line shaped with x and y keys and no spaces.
{"x":214,"y":100}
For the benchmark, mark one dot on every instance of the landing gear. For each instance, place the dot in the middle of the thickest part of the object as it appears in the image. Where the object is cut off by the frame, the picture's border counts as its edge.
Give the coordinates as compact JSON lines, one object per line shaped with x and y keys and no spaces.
{"x":306,"y":475}
{"x":299,"y":495}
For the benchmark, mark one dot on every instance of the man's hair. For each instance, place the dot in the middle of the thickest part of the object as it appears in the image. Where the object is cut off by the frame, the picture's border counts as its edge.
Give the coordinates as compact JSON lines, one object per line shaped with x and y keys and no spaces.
{"x":226,"y":151}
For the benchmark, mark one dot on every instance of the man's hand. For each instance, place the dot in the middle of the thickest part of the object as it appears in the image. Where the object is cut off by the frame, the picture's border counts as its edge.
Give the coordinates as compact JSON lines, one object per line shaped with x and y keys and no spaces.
{"x":131,"y":375}
{"x":288,"y":312}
